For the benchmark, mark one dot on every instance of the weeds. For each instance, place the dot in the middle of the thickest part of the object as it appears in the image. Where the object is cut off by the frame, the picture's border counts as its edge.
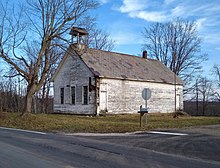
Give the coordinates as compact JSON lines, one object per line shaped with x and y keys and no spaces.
{"x":102,"y":124}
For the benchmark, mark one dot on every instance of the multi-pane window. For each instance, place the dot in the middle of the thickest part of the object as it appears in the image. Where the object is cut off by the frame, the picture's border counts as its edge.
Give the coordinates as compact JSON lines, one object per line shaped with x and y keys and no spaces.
{"x":62,"y":95}
{"x":73,"y":95}
{"x":85,"y":95}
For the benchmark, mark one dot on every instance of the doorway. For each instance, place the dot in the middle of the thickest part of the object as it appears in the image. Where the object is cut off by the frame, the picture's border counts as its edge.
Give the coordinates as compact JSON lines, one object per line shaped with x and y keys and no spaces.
{"x":177,"y":102}
{"x":103,"y":101}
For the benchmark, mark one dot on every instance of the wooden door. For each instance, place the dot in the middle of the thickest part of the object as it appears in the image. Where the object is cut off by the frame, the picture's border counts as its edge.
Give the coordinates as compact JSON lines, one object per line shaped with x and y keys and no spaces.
{"x":103,"y":101}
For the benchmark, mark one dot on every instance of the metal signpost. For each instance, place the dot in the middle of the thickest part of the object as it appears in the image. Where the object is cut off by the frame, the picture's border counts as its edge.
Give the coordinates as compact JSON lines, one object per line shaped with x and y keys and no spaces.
{"x":146,"y":95}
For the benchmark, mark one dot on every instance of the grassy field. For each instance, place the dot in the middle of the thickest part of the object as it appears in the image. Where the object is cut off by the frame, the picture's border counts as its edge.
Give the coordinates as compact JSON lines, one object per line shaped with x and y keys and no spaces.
{"x":101,"y":124}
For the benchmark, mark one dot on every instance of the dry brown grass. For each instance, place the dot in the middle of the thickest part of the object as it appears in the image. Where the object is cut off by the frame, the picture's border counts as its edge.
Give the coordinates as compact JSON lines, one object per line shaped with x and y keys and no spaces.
{"x":109,"y":123}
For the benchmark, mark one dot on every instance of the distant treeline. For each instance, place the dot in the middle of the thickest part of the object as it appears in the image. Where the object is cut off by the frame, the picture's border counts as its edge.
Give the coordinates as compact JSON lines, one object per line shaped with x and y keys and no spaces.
{"x":200,"y":109}
{"x":11,"y":102}
{"x":12,"y":97}
{"x":14,"y":103}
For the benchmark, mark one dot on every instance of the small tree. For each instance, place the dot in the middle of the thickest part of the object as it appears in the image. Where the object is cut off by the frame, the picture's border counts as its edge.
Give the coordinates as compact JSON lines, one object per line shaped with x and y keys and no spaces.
{"x":216,"y":71}
{"x":205,"y":91}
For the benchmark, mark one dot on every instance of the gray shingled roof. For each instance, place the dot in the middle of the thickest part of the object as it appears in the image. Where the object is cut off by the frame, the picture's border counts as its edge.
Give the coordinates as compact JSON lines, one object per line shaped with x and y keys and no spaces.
{"x":123,"y":66}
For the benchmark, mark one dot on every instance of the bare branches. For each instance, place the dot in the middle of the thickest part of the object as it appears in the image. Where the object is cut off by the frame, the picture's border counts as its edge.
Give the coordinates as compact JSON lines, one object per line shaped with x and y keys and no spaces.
{"x":204,"y":87}
{"x":30,"y":36}
{"x":216,"y":72}
{"x":176,"y":44}
{"x":98,"y":38}
{"x":12,"y":35}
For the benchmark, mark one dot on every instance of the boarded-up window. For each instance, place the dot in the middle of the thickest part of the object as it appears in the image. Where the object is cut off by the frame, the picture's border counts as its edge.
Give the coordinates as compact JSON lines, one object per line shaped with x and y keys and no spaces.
{"x":62,"y":95}
{"x":73,"y":95}
{"x":78,"y":94}
{"x":67,"y":93}
{"x":85,"y":95}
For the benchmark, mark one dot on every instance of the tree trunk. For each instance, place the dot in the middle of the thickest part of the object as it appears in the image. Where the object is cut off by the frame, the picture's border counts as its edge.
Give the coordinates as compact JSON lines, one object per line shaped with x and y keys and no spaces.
{"x":203,"y":107}
{"x":43,"y":104}
{"x":28,"y":104}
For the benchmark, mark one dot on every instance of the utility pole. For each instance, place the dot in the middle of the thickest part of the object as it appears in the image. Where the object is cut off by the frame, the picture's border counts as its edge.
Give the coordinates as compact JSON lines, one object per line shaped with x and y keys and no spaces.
{"x":174,"y":72}
{"x":175,"y":89}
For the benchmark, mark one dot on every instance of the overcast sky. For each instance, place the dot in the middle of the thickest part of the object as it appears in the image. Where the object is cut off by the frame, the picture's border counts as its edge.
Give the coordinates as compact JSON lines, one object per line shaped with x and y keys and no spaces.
{"x":125,"y":21}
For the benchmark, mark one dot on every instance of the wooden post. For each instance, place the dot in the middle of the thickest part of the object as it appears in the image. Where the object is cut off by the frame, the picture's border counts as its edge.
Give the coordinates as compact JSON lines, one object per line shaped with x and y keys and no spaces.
{"x":145,"y":119}
{"x":143,"y":116}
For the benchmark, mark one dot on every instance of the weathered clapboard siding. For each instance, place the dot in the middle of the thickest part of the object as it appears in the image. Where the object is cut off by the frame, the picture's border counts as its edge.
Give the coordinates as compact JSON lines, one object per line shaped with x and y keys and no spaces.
{"x":111,"y":95}
{"x":73,"y":72}
{"x":114,"y":80}
{"x":124,"y":96}
{"x":108,"y":94}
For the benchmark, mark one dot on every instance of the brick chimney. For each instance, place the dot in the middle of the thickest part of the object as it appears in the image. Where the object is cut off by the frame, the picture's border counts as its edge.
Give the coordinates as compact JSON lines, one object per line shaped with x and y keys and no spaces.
{"x":145,"y":54}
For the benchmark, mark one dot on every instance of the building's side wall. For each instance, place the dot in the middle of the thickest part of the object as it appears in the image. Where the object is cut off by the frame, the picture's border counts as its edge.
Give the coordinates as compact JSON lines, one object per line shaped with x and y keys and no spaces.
{"x":124,"y":96}
{"x":74,"y":72}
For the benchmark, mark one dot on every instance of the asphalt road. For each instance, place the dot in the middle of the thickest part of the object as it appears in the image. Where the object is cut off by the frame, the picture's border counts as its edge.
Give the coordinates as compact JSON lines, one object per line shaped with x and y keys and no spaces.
{"x":202,"y":142}
{"x":19,"y":149}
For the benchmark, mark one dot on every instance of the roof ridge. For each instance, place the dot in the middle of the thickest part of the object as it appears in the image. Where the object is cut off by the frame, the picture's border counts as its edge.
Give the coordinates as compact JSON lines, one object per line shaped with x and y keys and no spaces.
{"x":128,"y":55}
{"x":115,"y":65}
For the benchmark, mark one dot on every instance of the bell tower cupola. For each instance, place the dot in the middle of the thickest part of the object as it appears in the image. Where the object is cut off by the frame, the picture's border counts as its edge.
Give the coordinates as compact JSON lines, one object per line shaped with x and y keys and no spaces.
{"x":79,"y":39}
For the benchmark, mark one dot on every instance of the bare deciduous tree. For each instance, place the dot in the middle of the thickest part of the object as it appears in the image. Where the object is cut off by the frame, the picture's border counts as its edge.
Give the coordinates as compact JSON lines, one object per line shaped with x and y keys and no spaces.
{"x":216,"y":71}
{"x":8,"y":95}
{"x":177,"y":45}
{"x":29,"y":35}
{"x":206,"y":92}
{"x":97,"y":39}
{"x":100,"y":40}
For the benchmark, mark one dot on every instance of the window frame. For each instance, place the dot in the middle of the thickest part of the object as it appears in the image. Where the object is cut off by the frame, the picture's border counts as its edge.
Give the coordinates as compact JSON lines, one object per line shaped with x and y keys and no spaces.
{"x":71,"y":95}
{"x":62,"y":95}
{"x":83,"y":95}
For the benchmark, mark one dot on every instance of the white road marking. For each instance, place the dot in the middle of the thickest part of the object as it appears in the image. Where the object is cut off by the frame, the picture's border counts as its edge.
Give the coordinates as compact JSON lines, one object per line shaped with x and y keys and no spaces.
{"x":137,"y":133}
{"x":100,"y":134}
{"x":166,"y":133}
{"x":97,"y":134}
{"x":14,"y":129}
